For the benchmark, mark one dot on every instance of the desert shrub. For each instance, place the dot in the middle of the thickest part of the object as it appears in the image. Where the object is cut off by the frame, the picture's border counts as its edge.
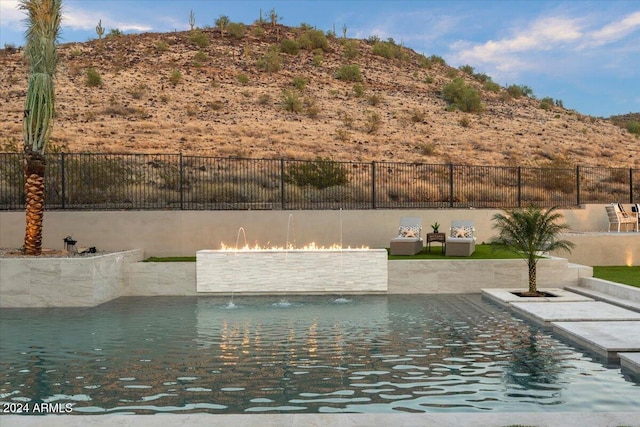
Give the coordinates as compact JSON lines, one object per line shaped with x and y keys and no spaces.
{"x":200,"y":56}
{"x":93,"y":78}
{"x":318,"y":58}
{"x":236,"y":30}
{"x":271,"y":61}
{"x":633,"y":127}
{"x":243,"y":78}
{"x":320,"y":173}
{"x":558,"y":175}
{"x":427,"y":149}
{"x":465,"y":122}
{"x":435,"y":59}
{"x":313,"y":39}
{"x":175,"y":77}
{"x":138,"y":91}
{"x":424,"y":62}
{"x":289,"y":46}
{"x":264,"y":99}
{"x":461,"y":96}
{"x":343,"y":135}
{"x":350,"y":73}
{"x":358,"y":89}
{"x":428,"y":79}
{"x":257,"y":31}
{"x":417,"y":116}
{"x":199,"y":39}
{"x":372,"y":123}
{"x":351,"y":49}
{"x":546,"y":103}
{"x":114,"y":32}
{"x":299,"y":83}
{"x":311,"y":108}
{"x":517,"y":91}
{"x":491,"y":86}
{"x":482,"y":77}
{"x":467,"y":69}
{"x":291,"y":101}
{"x":375,"y":100}
{"x":384,"y":49}
{"x":161,"y":46}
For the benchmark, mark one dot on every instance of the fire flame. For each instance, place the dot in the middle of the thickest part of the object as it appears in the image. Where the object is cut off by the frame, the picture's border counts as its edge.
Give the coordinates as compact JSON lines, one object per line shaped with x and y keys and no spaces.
{"x":310,"y":247}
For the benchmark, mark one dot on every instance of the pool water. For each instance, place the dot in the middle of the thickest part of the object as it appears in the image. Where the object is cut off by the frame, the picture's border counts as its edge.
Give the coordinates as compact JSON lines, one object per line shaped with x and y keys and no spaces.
{"x":373,"y":354}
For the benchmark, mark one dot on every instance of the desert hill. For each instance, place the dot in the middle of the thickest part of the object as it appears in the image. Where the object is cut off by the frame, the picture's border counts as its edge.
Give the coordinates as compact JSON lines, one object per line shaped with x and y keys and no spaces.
{"x":269,"y":91}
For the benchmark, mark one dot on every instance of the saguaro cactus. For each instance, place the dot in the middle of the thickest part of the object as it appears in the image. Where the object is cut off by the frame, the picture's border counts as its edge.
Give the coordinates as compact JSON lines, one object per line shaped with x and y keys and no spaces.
{"x":43,"y":30}
{"x":192,"y":19}
{"x":99,"y":30}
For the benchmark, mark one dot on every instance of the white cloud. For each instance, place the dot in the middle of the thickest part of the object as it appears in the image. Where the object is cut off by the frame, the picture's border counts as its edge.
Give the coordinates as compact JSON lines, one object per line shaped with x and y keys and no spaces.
{"x":615,"y":31}
{"x":85,"y":19}
{"x":10,"y":12}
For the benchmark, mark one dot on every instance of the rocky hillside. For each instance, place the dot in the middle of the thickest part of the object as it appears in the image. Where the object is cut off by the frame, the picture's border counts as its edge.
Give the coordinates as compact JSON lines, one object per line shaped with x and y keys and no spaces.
{"x":266,"y":91}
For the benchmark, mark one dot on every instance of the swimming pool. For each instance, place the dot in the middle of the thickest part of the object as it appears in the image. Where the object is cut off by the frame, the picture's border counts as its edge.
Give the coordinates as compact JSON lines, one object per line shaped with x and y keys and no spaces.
{"x":370,"y":354}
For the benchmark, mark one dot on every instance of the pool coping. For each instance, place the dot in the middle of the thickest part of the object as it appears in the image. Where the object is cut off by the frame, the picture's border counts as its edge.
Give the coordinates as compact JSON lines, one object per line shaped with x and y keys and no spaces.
{"x":456,"y":419}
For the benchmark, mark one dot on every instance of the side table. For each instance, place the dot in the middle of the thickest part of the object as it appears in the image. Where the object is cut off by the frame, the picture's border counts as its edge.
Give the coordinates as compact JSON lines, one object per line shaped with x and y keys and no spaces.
{"x":436,"y":237}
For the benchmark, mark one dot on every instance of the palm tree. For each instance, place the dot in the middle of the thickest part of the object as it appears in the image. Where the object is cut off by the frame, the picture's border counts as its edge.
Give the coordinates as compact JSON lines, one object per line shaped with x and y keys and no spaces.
{"x":529,"y":232}
{"x":43,"y":29}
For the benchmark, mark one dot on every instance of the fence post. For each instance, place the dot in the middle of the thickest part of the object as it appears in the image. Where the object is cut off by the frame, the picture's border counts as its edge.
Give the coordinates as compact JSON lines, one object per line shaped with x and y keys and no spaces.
{"x":450,"y":185}
{"x":519,"y":187}
{"x":283,"y":203}
{"x":63,"y":181}
{"x":373,"y":185}
{"x":578,"y":184}
{"x":631,"y":186}
{"x":181,"y":183}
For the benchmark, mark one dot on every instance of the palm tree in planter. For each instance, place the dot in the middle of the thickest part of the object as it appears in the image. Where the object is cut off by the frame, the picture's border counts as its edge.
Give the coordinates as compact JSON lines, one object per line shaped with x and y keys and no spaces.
{"x":43,"y":29}
{"x":530,"y":232}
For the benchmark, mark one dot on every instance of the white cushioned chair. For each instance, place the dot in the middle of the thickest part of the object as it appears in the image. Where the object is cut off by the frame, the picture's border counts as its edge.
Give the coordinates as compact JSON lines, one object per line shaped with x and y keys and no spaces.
{"x":409,"y":240}
{"x":460,"y":240}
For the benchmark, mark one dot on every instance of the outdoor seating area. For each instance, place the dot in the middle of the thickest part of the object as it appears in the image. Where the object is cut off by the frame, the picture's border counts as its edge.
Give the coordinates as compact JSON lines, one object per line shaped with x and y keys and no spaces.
{"x":409,"y":240}
{"x":460,"y":241}
{"x":621,"y":220}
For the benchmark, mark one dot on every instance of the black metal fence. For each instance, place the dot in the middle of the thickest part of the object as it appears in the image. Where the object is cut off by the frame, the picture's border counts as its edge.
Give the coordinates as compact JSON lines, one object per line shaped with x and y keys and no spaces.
{"x":174,"y":181}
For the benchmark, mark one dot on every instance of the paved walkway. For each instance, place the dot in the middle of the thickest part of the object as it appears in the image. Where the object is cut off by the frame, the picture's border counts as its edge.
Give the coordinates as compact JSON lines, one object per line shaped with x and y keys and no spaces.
{"x":605,"y":329}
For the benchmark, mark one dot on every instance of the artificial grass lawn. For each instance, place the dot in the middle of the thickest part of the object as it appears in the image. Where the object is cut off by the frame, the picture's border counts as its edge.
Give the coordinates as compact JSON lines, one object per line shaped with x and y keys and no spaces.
{"x":171,"y":259}
{"x":619,"y":274}
{"x":482,"y":252}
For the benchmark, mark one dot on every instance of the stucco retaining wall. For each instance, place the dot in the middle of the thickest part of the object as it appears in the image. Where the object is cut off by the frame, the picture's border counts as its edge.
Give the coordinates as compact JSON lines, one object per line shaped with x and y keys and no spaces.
{"x":179,"y":233}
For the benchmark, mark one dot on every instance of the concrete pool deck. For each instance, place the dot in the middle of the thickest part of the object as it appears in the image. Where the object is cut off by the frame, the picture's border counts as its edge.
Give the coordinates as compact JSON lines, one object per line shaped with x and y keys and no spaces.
{"x":602,"y":328}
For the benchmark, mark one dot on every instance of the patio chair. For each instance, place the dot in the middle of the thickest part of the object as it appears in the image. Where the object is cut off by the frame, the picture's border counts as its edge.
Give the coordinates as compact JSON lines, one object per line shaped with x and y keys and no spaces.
{"x":460,"y":240}
{"x":636,"y":208}
{"x":409,"y":240}
{"x":619,"y":219}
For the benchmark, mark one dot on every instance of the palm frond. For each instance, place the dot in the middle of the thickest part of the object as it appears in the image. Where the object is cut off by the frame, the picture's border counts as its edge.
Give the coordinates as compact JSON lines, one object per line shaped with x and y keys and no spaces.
{"x":43,"y":30}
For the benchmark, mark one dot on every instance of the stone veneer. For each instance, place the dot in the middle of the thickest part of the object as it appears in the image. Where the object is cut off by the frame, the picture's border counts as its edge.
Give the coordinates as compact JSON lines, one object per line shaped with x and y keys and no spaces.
{"x":80,"y":281}
{"x":292,"y":271}
{"x":89,"y":281}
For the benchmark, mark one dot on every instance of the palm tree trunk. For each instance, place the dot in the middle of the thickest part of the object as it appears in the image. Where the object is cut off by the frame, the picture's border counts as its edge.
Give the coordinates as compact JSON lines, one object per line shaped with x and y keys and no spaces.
{"x":34,"y":188}
{"x":532,"y":277}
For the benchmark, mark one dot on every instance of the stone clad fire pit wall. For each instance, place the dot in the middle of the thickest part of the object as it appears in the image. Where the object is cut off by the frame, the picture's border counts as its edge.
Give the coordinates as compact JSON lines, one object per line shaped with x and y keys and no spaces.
{"x":292,"y":271}
{"x":79,"y":281}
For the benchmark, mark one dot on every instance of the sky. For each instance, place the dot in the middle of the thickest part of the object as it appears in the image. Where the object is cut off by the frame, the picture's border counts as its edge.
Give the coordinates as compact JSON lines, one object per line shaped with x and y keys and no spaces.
{"x":585,"y":53}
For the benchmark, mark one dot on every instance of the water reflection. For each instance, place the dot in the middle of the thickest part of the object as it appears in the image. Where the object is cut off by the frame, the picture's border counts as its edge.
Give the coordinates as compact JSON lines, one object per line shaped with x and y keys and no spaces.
{"x":372,"y":354}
